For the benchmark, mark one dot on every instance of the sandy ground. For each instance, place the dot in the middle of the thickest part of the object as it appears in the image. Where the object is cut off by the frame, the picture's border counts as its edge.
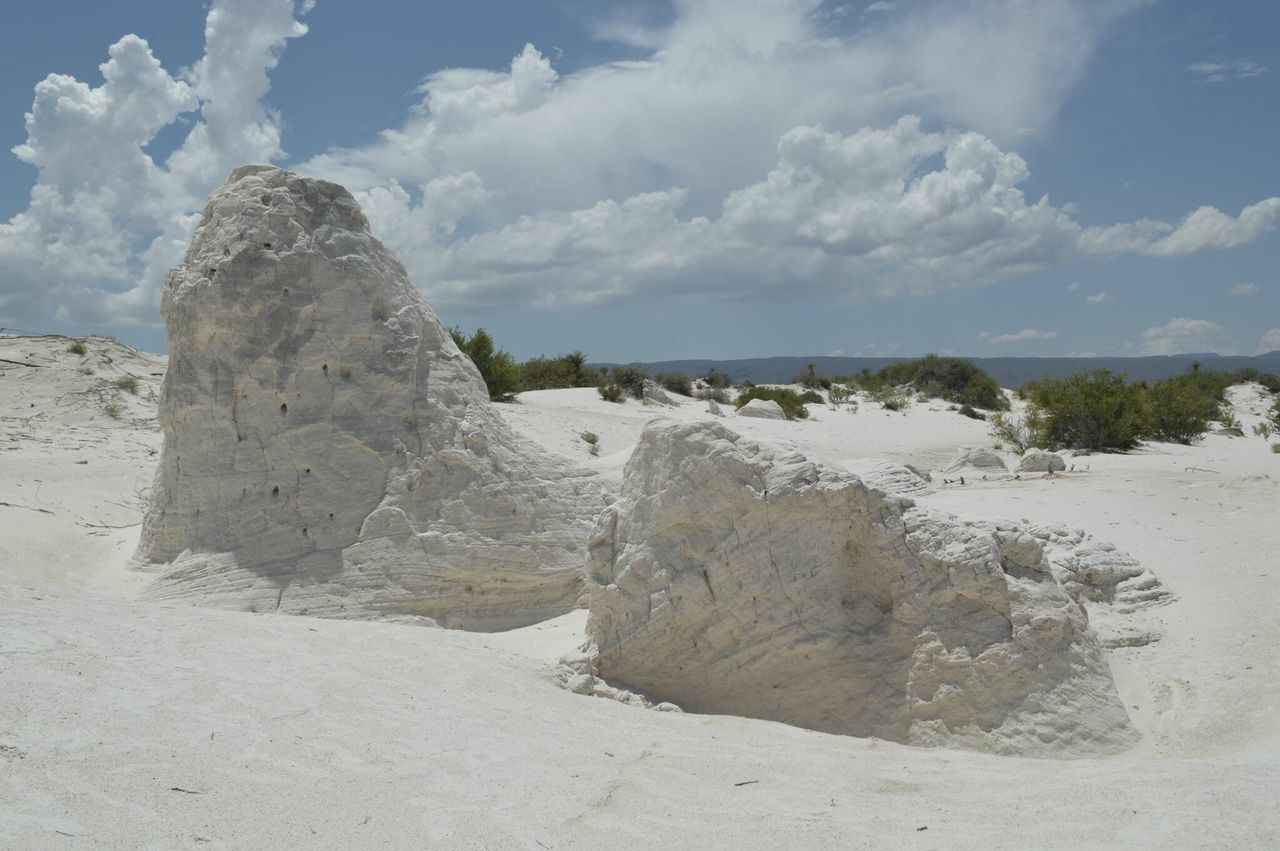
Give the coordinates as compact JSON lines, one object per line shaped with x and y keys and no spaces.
{"x":134,"y":725}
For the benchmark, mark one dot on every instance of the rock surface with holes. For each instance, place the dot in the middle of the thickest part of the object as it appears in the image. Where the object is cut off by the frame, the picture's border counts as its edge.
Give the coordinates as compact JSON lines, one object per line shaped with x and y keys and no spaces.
{"x":327,"y":448}
{"x":733,"y":578}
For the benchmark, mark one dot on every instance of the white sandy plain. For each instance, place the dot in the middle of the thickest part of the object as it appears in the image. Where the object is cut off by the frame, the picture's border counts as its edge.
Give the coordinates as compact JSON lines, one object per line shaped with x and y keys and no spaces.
{"x":126,"y":724}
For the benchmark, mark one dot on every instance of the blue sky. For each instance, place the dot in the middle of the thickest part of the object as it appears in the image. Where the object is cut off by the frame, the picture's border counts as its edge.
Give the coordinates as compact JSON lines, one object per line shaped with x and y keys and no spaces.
{"x":704,"y":178}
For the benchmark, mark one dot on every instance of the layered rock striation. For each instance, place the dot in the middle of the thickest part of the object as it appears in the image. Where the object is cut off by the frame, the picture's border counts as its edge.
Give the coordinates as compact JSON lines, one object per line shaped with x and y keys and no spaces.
{"x":732,"y":578}
{"x":328,"y":450}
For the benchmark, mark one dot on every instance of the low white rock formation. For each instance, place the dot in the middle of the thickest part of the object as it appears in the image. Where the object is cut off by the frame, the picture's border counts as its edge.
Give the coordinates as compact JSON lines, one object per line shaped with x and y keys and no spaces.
{"x":327,"y":448}
{"x":764,"y":409}
{"x":732,"y":578}
{"x":977,"y":458}
{"x":713,"y":408}
{"x":1041,"y":461}
{"x":888,"y":477}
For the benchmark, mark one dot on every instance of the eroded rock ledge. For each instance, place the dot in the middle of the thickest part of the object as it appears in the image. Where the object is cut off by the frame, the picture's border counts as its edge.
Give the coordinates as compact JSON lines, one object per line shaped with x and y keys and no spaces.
{"x":732,"y":578}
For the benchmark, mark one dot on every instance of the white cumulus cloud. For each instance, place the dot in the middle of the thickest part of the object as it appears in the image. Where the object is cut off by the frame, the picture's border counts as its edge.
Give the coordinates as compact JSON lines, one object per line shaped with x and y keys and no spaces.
{"x":1181,"y":336}
{"x":1270,"y":342}
{"x":756,"y":152}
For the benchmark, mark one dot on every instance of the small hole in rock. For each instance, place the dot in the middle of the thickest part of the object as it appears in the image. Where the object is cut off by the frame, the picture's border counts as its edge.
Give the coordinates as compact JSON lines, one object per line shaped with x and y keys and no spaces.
{"x":308,"y":470}
{"x":275,"y":491}
{"x":286,"y":290}
{"x":330,"y":515}
{"x":266,"y":198}
{"x":212,"y":271}
{"x":324,"y":367}
{"x":284,"y":408}
{"x":266,"y":245}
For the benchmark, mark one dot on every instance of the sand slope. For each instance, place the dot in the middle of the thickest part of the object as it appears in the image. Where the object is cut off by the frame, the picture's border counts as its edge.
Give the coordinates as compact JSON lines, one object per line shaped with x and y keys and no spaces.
{"x":131,"y":724}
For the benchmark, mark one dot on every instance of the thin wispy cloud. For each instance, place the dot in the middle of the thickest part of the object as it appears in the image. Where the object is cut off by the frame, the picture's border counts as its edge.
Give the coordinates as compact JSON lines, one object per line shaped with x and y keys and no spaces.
{"x":1247,"y":289}
{"x":1219,"y":72}
{"x":1100,"y":298}
{"x":1023,"y":336}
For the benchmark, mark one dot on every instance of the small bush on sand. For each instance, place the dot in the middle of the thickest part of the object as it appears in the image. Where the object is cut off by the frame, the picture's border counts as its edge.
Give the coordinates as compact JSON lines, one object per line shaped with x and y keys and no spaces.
{"x":128,"y":384}
{"x":113,"y":409}
{"x":891,"y":398}
{"x":630,"y":378}
{"x":543,"y":373}
{"x":611,"y":393}
{"x":1096,"y":410}
{"x":971,"y":413}
{"x":714,"y":394}
{"x":951,"y":379}
{"x":675,"y":382}
{"x":77,"y":347}
{"x":838,"y":395}
{"x":1018,"y":433}
{"x":499,"y":369}
{"x":811,"y":397}
{"x":789,"y":400}
{"x":716,"y":380}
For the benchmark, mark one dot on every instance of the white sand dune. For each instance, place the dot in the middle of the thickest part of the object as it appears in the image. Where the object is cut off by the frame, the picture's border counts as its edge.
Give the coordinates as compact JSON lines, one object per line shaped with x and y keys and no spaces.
{"x":133,"y":724}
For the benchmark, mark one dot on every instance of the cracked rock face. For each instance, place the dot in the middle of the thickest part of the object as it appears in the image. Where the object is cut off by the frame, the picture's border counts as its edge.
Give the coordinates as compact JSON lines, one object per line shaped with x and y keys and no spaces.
{"x":328,"y":450}
{"x":733,"y":578}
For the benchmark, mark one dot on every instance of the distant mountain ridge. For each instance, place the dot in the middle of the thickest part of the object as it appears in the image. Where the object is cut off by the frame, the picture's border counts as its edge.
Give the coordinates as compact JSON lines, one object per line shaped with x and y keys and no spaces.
{"x":1010,"y":372}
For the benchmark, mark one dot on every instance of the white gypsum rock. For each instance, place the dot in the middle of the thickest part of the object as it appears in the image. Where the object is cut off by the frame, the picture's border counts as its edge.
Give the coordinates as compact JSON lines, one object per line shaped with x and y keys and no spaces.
{"x":733,"y":578}
{"x":328,"y":449}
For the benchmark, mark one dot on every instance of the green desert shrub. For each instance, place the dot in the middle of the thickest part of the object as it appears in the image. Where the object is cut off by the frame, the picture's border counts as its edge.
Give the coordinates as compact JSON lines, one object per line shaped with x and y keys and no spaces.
{"x":810,"y":380}
{"x":630,"y":378}
{"x":77,"y":347}
{"x":1095,"y":410}
{"x":128,"y":384}
{"x":611,"y":392}
{"x":499,"y":370}
{"x":891,"y":397}
{"x":716,"y":379}
{"x":1018,"y":433}
{"x":838,"y":394}
{"x":675,"y":382}
{"x":789,"y":400}
{"x":544,"y":373}
{"x":1275,"y":415}
{"x":953,"y":379}
{"x":715,"y":394}
{"x":812,"y":397}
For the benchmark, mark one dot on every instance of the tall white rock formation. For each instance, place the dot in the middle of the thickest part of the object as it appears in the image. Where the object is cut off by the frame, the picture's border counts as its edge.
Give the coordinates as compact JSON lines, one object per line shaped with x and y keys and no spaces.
{"x":732,"y":578}
{"x":327,"y":448}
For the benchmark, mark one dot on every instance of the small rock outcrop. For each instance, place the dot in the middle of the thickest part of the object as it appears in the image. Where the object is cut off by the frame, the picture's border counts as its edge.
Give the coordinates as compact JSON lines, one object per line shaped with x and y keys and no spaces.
{"x":977,"y":458}
{"x":888,"y":477}
{"x":328,"y":450}
{"x":713,"y":408}
{"x":1041,"y":461}
{"x":764,"y":409}
{"x":732,"y":578}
